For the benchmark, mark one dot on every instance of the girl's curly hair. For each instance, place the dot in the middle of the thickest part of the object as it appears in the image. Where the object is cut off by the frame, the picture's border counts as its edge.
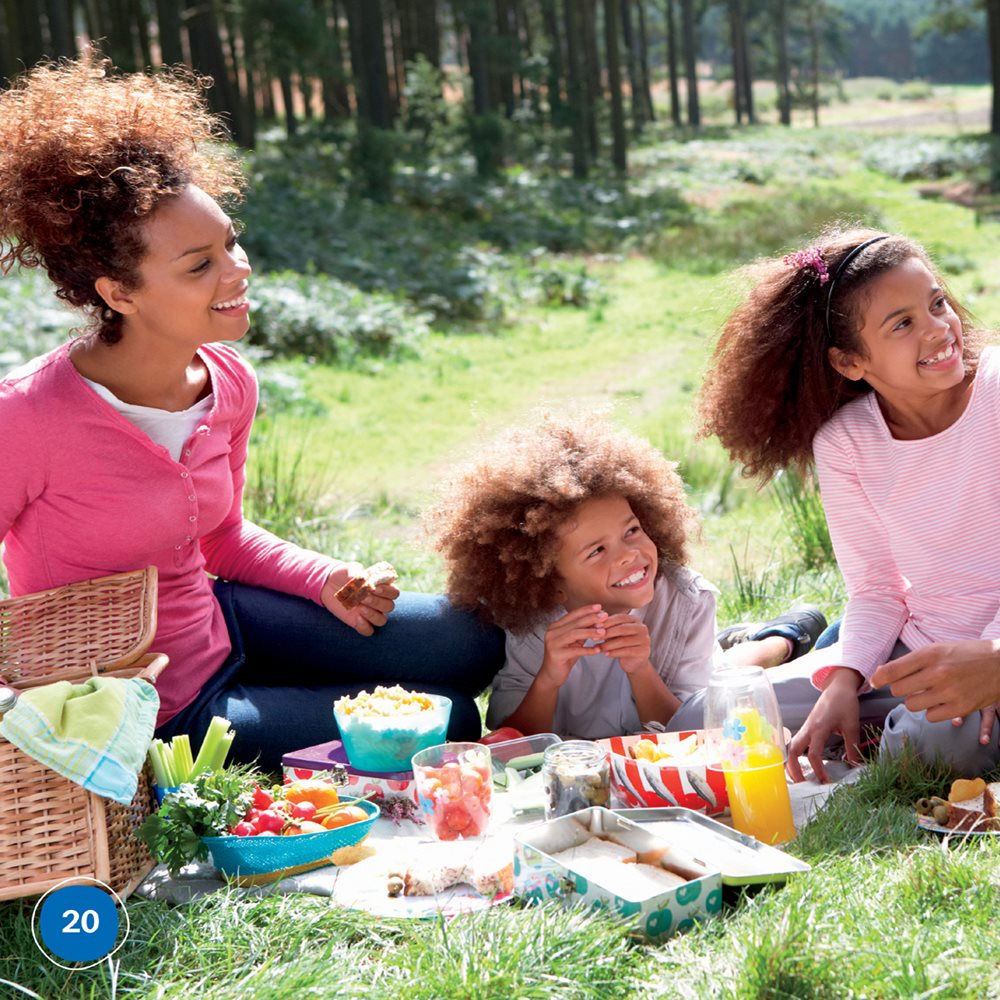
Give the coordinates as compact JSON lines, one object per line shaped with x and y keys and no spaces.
{"x":770,"y":385}
{"x":497,"y":522}
{"x":85,"y":158}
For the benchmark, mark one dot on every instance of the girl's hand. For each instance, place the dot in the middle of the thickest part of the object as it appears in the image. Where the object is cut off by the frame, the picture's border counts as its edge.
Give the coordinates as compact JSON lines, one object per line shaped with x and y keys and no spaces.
{"x":949,"y":680}
{"x":627,"y":640}
{"x":835,"y":711}
{"x":564,"y":642}
{"x":371,"y":613}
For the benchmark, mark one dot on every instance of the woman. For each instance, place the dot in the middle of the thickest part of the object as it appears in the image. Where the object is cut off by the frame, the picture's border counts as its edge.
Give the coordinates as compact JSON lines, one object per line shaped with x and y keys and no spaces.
{"x":127,"y":446}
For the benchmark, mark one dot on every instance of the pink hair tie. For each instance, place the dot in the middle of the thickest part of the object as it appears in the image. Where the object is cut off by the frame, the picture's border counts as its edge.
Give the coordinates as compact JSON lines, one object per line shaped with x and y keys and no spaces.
{"x":810,"y":258}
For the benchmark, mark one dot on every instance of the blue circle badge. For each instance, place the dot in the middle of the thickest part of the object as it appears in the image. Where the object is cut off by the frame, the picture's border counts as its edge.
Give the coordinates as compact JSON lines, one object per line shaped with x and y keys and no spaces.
{"x":79,"y":923}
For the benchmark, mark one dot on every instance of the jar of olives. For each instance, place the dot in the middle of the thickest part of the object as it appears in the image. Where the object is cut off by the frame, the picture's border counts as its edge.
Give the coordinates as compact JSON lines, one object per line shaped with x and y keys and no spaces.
{"x":576,"y":774}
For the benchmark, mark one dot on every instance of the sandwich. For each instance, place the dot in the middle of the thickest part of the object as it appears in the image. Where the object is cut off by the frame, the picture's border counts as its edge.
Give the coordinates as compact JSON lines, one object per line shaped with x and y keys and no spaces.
{"x":359,"y":587}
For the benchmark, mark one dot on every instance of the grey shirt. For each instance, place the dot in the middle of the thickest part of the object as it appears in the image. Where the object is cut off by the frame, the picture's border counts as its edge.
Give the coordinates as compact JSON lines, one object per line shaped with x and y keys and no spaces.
{"x":596,"y":700}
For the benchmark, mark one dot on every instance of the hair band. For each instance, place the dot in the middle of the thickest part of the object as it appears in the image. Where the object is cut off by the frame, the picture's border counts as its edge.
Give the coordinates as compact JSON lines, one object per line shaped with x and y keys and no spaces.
{"x":841,"y":267}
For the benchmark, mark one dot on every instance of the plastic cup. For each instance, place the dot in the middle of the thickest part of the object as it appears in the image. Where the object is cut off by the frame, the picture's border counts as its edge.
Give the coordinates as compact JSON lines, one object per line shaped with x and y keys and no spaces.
{"x":745,"y":740}
{"x":455,"y":788}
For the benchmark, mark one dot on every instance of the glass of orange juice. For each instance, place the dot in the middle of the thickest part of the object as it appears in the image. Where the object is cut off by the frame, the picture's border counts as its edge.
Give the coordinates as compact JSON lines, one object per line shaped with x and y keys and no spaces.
{"x":746,"y":741}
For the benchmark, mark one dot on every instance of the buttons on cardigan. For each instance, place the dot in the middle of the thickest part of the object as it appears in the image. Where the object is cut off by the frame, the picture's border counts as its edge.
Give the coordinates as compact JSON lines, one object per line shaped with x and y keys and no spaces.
{"x":185,"y":474}
{"x":193,"y":517}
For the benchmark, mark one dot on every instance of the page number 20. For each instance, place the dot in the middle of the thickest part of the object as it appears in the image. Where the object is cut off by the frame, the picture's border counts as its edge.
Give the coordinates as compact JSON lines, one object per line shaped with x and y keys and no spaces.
{"x":87,"y":922}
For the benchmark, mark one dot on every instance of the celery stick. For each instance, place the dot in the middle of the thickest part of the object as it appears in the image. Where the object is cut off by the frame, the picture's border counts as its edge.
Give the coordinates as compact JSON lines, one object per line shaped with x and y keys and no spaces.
{"x":183,"y":762}
{"x":212,"y":754}
{"x":156,"y":762}
{"x":167,"y":754}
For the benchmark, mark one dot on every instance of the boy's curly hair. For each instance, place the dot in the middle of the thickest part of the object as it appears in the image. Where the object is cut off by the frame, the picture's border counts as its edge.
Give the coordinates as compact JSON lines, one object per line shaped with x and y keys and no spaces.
{"x":497,"y":522}
{"x":770,"y":385}
{"x":85,"y":158}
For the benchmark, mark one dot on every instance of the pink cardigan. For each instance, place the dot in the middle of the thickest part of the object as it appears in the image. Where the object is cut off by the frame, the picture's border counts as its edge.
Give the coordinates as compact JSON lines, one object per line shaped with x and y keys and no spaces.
{"x":85,"y":493}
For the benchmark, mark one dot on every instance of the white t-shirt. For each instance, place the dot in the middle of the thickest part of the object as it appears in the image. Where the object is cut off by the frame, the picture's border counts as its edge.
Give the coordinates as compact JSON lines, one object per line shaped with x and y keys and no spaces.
{"x":596,"y":700}
{"x":163,"y":426}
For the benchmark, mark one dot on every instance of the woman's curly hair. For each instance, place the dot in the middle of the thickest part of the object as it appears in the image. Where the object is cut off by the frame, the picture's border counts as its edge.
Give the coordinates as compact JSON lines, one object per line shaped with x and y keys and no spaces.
{"x":770,"y":385}
{"x":497,"y":522}
{"x":85,"y":158}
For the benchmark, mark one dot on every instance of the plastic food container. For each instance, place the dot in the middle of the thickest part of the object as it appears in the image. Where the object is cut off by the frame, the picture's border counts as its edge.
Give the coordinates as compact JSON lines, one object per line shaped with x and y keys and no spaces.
{"x":272,"y":857}
{"x":388,"y":743}
{"x":455,"y":789}
{"x":683,"y":780}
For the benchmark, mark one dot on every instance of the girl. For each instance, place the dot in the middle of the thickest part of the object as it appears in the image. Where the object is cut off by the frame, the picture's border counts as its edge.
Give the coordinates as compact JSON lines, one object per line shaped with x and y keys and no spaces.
{"x":573,"y":537}
{"x":852,"y":353}
{"x":127,"y":446}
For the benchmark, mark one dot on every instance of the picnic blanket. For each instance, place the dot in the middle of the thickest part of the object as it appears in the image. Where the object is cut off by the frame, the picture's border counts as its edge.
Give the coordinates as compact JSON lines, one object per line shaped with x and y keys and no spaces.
{"x":199,"y":878}
{"x":95,"y":733}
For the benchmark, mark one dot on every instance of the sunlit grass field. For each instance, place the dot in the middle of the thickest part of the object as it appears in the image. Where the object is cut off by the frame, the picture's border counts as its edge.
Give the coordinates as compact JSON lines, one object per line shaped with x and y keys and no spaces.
{"x":887,"y":910}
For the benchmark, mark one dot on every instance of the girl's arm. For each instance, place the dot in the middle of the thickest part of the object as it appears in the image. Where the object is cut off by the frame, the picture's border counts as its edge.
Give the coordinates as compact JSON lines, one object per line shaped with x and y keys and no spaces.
{"x":876,"y":607}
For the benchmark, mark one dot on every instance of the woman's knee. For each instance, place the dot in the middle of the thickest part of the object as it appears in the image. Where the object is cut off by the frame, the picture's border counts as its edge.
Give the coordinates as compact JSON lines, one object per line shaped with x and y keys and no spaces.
{"x":956,"y":746}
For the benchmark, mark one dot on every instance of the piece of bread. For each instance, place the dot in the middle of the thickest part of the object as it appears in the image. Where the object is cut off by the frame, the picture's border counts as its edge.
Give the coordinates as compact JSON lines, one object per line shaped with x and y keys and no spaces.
{"x":991,"y":799}
{"x":595,"y":849}
{"x":960,"y":819}
{"x":634,"y":882}
{"x":440,"y":866}
{"x":359,"y":587}
{"x":429,"y":876}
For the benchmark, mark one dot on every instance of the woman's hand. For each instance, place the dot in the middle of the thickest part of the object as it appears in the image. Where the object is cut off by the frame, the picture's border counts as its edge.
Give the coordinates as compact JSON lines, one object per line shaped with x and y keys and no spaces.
{"x":949,"y":680}
{"x":564,"y":642}
{"x":836,"y":711}
{"x":627,"y":640}
{"x":371,"y":613}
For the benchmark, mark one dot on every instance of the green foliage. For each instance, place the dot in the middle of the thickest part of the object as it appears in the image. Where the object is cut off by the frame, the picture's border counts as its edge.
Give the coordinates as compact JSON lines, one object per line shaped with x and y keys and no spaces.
{"x":804,"y":518}
{"x":916,"y":157}
{"x":747,"y":228}
{"x":33,"y":320}
{"x":206,"y":806}
{"x":320,"y":317}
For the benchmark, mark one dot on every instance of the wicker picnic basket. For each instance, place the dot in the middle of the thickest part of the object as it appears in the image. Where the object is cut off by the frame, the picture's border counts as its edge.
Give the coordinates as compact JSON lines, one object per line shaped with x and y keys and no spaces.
{"x":51,"y":829}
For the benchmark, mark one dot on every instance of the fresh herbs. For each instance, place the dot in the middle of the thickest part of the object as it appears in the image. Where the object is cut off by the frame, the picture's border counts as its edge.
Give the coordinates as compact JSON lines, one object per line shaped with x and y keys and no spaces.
{"x":207,"y":806}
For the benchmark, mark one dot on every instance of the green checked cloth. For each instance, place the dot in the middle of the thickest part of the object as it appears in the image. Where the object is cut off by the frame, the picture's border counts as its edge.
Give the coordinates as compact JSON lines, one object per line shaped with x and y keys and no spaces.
{"x":96,"y":733}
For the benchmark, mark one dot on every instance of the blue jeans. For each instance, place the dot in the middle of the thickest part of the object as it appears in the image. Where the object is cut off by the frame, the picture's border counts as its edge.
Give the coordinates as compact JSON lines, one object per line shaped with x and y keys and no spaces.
{"x":291,"y":659}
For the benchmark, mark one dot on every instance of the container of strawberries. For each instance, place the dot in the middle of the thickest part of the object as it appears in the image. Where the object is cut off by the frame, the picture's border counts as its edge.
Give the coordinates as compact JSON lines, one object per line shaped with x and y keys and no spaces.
{"x":455,"y":789}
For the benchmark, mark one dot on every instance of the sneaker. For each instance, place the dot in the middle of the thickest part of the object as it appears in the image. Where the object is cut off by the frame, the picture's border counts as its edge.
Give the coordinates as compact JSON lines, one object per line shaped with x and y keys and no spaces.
{"x":736,"y":634}
{"x":802,"y":625}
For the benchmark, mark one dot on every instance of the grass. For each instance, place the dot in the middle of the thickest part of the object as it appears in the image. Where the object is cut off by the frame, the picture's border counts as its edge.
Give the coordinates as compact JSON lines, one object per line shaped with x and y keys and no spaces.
{"x":887,"y":910}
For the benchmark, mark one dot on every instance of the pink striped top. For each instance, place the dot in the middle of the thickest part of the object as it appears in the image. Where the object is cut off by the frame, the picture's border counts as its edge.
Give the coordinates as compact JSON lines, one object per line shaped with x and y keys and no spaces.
{"x":915,"y":525}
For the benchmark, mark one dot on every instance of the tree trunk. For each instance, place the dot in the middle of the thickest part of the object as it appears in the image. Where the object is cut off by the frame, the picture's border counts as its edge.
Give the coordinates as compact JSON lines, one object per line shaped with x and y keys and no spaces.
{"x":368,"y":61}
{"x":506,"y":54}
{"x":207,"y":57}
{"x":993,"y":35}
{"x":119,"y":34}
{"x":24,"y":24}
{"x":550,"y":20}
{"x":612,"y":12}
{"x":60,"y":14}
{"x":288,"y":100}
{"x":638,"y":106}
{"x":690,"y":62}
{"x":737,"y":55}
{"x":140,"y":20}
{"x":575,"y":90}
{"x":746,"y":66}
{"x":781,"y":63}
{"x":643,"y":43}
{"x":168,"y":20}
{"x":814,"y":60}
{"x":592,"y":73}
{"x":675,"y":92}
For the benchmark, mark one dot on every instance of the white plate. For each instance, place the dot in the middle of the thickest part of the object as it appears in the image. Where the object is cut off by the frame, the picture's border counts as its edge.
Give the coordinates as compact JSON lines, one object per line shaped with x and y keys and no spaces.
{"x":927,"y":823}
{"x":363,"y":887}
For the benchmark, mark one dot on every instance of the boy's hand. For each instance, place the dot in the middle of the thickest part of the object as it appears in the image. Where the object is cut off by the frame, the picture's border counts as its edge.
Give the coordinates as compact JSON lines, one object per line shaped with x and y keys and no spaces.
{"x":627,"y":640}
{"x":564,"y":642}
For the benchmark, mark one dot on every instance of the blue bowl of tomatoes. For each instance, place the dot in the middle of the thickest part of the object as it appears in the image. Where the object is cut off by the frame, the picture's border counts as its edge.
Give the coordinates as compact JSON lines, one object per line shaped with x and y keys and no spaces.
{"x":267,"y":857}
